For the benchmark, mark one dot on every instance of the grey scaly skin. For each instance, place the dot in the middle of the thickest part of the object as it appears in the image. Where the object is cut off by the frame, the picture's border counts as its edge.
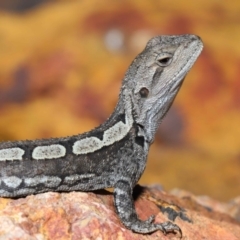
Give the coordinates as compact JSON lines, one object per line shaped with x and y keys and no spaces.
{"x":115,"y":153}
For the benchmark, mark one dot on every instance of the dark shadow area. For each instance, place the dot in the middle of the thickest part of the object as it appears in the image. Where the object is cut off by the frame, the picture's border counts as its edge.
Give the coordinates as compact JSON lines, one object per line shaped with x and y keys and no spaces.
{"x":137,"y":191}
{"x":20,"y":6}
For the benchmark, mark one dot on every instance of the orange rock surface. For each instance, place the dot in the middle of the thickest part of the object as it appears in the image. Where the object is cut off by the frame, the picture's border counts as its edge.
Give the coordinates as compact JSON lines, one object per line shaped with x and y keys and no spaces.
{"x":92,"y":216}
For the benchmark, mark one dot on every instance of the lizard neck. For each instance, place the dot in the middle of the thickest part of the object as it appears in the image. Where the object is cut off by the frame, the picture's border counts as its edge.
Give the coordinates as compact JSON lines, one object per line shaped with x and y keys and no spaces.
{"x":115,"y":129}
{"x":122,"y":114}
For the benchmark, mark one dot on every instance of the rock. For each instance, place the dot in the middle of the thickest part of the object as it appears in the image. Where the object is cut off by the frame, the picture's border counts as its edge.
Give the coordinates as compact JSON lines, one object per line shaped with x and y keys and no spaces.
{"x":79,"y":215}
{"x":231,"y":208}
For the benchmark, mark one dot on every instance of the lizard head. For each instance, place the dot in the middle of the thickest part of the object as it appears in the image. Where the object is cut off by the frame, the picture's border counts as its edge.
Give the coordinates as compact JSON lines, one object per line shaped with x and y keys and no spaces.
{"x":155,"y":77}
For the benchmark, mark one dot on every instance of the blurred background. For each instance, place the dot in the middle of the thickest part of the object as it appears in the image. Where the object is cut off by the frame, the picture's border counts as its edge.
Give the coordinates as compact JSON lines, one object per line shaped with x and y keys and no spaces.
{"x":61,"y":66}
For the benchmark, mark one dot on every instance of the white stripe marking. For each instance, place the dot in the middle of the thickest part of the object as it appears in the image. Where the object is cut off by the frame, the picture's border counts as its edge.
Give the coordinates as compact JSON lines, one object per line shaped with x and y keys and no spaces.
{"x":47,"y":181}
{"x":110,"y":136}
{"x":49,"y":152}
{"x":72,"y":179}
{"x":24,"y":191}
{"x":18,"y":192}
{"x":12,"y":182}
{"x":15,"y":153}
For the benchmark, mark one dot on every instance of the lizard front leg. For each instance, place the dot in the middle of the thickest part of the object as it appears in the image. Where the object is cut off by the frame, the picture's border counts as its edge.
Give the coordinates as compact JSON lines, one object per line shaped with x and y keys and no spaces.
{"x":124,"y":204}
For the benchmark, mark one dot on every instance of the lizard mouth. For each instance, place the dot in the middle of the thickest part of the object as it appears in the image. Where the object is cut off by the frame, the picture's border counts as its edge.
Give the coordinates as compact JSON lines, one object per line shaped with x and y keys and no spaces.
{"x":183,"y":72}
{"x":141,"y":131}
{"x":140,"y":125}
{"x":177,"y":84}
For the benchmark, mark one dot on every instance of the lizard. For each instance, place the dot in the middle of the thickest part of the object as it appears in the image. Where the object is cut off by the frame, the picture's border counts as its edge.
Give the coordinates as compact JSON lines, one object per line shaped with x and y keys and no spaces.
{"x":115,"y":153}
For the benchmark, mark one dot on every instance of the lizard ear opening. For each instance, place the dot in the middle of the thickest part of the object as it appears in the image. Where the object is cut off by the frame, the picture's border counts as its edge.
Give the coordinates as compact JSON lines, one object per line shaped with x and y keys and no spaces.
{"x":144,"y":92}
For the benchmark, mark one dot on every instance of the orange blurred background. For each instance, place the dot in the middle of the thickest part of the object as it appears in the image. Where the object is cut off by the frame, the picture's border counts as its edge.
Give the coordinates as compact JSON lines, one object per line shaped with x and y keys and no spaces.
{"x":61,"y":65}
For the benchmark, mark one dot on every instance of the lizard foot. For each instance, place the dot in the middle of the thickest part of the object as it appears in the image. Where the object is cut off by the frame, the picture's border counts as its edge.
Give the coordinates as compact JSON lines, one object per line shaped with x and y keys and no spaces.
{"x":148,"y":226}
{"x":169,"y":227}
{"x":127,"y":213}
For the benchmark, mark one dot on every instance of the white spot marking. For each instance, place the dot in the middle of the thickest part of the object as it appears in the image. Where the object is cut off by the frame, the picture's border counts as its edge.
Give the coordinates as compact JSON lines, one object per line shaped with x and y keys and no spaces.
{"x":115,"y":133}
{"x":72,"y":179}
{"x":110,"y":136}
{"x":12,"y":182}
{"x":47,"y":181}
{"x":49,"y":152}
{"x":87,"y":145}
{"x":11,"y":154}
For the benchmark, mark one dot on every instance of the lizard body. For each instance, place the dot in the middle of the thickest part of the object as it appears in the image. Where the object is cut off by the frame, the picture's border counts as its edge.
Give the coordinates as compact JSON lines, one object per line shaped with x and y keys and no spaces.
{"x":115,"y":153}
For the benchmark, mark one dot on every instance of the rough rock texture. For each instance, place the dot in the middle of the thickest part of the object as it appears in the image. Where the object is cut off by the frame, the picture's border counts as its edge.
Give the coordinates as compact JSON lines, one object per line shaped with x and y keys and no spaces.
{"x":60,"y":74}
{"x":79,"y":215}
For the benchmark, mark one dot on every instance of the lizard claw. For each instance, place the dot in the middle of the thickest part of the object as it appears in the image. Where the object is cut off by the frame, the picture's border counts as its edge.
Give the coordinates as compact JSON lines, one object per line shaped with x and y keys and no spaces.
{"x":150,"y":219}
{"x":169,"y":227}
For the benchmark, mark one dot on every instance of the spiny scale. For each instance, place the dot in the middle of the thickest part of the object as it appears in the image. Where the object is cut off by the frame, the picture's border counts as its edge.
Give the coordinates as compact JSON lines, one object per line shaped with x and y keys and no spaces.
{"x":115,"y":153}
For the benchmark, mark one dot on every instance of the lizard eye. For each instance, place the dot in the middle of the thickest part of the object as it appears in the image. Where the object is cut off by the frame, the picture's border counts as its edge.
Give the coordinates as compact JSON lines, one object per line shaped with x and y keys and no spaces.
{"x":165,"y":61}
{"x":144,"y":92}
